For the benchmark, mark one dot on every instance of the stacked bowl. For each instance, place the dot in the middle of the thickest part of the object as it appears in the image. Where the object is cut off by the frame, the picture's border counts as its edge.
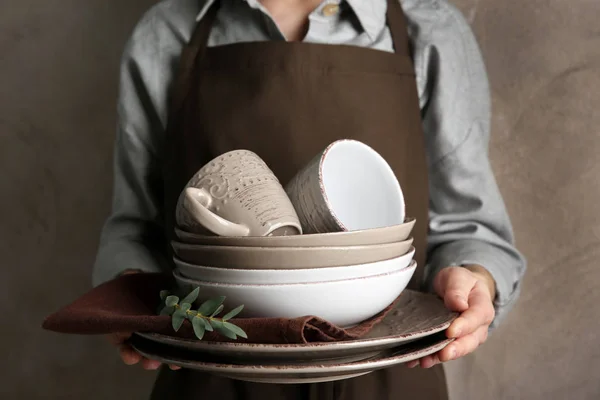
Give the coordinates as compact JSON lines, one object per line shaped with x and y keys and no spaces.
{"x":335,"y":243}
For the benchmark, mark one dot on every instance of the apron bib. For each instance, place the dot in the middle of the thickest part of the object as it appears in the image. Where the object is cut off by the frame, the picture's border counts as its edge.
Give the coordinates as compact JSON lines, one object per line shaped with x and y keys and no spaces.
{"x":286,"y":101}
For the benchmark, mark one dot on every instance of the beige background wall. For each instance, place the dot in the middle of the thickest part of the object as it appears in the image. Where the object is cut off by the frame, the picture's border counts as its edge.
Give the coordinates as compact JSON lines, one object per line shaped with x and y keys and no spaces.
{"x":58,"y":74}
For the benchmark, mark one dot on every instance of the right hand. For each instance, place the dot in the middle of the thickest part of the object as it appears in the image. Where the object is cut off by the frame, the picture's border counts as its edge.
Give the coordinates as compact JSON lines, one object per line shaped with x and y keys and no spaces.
{"x":132,"y":357}
{"x":128,"y":353}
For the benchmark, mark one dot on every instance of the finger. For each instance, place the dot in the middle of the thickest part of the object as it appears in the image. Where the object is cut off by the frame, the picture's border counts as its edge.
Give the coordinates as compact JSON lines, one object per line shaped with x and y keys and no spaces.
{"x":117,"y":339}
{"x":150,"y":365}
{"x":129,"y":355}
{"x":454,"y":286}
{"x":413,"y":363}
{"x":464,"y":345}
{"x":480,"y":313}
{"x":430,"y":360}
{"x":174,"y":367}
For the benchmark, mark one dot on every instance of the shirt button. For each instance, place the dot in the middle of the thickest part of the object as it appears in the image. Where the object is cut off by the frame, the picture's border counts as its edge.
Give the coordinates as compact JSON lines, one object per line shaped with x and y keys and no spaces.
{"x":330,"y":10}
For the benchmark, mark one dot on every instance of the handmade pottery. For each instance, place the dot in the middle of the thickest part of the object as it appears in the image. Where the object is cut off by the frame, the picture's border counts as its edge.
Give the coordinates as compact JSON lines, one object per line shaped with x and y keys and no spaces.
{"x":342,"y":302}
{"x":415,"y":316}
{"x":287,"y":257}
{"x":291,"y":373}
{"x":388,"y":234}
{"x":281,"y":276}
{"x":347,"y":187}
{"x":236,"y":194}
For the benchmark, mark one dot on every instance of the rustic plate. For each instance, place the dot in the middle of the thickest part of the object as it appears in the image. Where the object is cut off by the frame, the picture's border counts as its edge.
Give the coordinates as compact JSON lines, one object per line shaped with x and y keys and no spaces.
{"x":290,"y":373}
{"x":390,"y":234}
{"x":416,"y":315}
{"x":287,"y":257}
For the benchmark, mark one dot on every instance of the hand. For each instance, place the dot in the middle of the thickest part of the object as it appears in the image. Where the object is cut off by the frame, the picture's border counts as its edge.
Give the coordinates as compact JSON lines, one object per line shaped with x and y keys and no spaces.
{"x":128,"y":353}
{"x":132,"y":357}
{"x":469,"y":290}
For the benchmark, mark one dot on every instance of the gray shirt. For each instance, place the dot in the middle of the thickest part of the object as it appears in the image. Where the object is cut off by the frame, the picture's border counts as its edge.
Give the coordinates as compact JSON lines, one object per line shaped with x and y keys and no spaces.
{"x":468,"y":220}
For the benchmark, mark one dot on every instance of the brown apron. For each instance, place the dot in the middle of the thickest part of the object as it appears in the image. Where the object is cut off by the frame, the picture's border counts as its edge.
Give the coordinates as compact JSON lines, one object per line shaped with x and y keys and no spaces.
{"x":287,"y":101}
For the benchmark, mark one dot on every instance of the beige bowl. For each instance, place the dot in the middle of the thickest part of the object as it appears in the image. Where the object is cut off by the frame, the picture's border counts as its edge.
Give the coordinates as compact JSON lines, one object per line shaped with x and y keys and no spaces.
{"x":287,"y":257}
{"x":390,"y":234}
{"x":284,"y":276}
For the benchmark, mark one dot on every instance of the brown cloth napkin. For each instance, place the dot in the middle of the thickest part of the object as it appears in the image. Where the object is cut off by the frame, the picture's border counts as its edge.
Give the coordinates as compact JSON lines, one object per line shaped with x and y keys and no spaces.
{"x":129,"y":304}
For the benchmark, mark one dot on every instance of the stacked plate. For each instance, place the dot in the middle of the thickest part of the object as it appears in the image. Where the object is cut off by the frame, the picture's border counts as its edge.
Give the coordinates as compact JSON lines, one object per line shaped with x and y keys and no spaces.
{"x":412,"y":330}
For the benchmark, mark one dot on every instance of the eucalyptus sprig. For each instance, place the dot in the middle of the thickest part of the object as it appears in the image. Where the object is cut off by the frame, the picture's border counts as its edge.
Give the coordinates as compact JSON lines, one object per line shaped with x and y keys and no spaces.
{"x":205,"y":318}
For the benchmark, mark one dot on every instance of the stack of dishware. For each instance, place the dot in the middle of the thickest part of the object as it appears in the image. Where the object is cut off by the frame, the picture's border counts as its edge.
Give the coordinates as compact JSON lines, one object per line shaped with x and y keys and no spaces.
{"x":335,"y":243}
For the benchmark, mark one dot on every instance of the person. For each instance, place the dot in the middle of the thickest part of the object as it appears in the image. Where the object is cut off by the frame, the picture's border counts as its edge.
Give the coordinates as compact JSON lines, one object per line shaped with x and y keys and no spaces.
{"x":284,"y":79}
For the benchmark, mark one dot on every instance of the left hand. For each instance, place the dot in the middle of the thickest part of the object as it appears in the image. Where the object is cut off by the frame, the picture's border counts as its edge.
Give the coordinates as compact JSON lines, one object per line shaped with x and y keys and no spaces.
{"x":469,"y":290}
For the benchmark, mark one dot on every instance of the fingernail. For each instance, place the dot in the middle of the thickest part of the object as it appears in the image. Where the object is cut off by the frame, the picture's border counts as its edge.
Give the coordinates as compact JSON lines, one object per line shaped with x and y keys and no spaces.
{"x":452,"y":353}
{"x":458,"y":330}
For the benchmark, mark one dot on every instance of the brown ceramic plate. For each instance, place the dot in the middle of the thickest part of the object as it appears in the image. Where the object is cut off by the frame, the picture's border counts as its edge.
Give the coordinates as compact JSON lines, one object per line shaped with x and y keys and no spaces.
{"x":290,"y":373}
{"x":287,"y":257}
{"x":415,"y":316}
{"x":390,"y":234}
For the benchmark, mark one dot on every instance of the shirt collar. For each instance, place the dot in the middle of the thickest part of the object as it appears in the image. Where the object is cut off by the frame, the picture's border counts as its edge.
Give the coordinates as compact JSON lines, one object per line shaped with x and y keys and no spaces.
{"x":370,"y":14}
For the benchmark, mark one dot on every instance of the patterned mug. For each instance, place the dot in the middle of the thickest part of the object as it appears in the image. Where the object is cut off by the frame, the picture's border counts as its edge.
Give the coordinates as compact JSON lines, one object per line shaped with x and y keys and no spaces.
{"x":236,"y":194}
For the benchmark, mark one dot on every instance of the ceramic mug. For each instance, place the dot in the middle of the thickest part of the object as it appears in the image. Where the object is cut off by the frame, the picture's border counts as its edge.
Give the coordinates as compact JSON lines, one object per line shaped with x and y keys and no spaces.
{"x":347,"y":187}
{"x":236,"y":194}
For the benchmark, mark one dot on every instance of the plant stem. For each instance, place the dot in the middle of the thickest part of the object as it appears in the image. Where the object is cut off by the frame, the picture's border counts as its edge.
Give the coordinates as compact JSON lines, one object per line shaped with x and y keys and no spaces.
{"x":197,"y":314}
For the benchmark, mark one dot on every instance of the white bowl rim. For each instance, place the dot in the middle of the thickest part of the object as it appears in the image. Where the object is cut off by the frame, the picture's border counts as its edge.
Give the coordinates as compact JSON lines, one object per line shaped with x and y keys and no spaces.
{"x":372,"y":152}
{"x":411,"y":251}
{"x":178,"y":276}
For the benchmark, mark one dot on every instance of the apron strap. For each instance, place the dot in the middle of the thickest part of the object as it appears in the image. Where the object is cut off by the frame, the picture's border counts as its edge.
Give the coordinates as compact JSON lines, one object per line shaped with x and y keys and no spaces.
{"x":396,"y":21}
{"x":190,"y":55}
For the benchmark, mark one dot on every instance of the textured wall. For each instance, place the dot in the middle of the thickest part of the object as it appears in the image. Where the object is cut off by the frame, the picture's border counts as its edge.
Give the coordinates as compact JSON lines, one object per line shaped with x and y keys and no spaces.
{"x":58,"y":84}
{"x":58,"y":74}
{"x":543,"y":57}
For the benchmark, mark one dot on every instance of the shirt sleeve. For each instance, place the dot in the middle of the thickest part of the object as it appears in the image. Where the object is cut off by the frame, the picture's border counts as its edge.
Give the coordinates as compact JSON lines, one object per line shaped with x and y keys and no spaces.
{"x":468,"y":223}
{"x":133,"y":235}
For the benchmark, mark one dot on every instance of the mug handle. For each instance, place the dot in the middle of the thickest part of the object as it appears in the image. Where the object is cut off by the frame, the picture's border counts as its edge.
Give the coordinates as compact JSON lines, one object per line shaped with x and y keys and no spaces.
{"x":196,"y":202}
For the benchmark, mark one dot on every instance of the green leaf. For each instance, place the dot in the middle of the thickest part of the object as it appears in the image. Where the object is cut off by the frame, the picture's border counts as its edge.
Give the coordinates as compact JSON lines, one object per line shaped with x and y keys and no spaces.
{"x":233,"y":313}
{"x":192,"y":297}
{"x":207,"y":325}
{"x":164,"y":294}
{"x":199,"y":327}
{"x":167,"y":310}
{"x":235,"y":329}
{"x":210,"y":306}
{"x":217,"y":311}
{"x":180,"y":312}
{"x":178,"y":317}
{"x":219,"y":327}
{"x":171,"y":300}
{"x":185,"y":307}
{"x":177,"y":321}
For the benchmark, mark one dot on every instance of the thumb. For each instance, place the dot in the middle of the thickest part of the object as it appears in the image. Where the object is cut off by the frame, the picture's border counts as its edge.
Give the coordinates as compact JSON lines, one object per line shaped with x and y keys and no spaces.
{"x":117,"y":339}
{"x":454,"y":284}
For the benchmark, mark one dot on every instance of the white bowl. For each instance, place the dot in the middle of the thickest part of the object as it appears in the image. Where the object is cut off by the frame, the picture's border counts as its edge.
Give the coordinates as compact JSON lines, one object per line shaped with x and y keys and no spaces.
{"x":342,"y":302}
{"x":283,"y":276}
{"x":347,"y":187}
